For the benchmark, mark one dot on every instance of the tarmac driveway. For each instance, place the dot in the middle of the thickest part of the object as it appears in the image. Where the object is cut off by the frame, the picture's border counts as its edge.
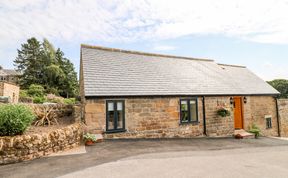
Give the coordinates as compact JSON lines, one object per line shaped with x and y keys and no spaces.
{"x":199,"y":157}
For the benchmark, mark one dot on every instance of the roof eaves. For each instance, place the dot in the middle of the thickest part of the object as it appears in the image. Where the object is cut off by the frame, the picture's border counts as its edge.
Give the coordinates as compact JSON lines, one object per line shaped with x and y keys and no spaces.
{"x":231,"y":65}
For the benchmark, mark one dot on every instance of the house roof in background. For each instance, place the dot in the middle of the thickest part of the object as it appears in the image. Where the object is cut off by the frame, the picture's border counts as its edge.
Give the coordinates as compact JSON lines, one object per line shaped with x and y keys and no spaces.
{"x":5,"y":72}
{"x":116,"y":72}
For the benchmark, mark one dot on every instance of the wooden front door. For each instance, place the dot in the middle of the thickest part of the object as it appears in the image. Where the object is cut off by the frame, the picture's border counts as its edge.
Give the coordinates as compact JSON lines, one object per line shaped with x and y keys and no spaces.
{"x":238,"y":119}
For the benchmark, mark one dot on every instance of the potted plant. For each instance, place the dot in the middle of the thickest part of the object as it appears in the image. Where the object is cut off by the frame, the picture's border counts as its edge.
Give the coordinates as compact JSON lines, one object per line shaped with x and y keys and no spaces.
{"x":223,"y":112}
{"x":89,"y":139}
{"x":255,"y":130}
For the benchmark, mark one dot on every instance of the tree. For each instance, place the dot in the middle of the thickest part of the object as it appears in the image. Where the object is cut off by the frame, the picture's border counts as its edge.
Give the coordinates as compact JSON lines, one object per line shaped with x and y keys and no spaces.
{"x":35,"y":90}
{"x":30,"y":63}
{"x":41,"y":64}
{"x":1,"y":67}
{"x":281,"y":85}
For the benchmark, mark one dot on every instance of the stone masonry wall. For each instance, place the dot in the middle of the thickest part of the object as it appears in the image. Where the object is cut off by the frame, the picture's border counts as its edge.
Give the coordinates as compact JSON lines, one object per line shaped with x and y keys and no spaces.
{"x":215,"y":124}
{"x":255,"y":110}
{"x":159,"y":118}
{"x":283,"y":116}
{"x":27,"y":147}
{"x":1,"y":88}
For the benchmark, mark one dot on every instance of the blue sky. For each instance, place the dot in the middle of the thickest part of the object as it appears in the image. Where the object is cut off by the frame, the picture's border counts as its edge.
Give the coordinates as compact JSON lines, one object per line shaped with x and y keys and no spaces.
{"x":251,"y":33}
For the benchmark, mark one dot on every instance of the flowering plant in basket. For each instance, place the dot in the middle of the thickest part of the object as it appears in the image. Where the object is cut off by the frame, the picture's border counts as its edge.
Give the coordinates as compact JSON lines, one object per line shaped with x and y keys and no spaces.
{"x":223,"y":111}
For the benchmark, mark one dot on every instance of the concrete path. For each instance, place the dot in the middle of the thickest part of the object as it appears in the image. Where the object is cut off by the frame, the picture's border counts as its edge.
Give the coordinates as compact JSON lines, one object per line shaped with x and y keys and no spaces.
{"x":201,"y":157}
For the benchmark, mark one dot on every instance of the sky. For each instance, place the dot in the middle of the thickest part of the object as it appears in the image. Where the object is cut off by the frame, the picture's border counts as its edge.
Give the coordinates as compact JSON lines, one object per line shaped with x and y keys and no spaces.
{"x":242,"y":32}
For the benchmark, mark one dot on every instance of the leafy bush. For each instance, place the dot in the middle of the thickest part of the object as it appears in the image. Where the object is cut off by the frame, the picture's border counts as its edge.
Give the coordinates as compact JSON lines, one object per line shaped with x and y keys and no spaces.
{"x":39,"y":100}
{"x":69,"y":101}
{"x":14,"y":119}
{"x":52,"y":90}
{"x":35,"y":90}
{"x":23,"y":93}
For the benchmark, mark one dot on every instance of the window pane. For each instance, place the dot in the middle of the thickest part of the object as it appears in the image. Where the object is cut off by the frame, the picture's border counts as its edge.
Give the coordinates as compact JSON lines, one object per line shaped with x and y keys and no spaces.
{"x":184,"y":111}
{"x":184,"y":116}
{"x":184,"y":106}
{"x":119,"y":106}
{"x":110,"y":120}
{"x":120,"y":115}
{"x":110,"y":116}
{"x":193,"y":110}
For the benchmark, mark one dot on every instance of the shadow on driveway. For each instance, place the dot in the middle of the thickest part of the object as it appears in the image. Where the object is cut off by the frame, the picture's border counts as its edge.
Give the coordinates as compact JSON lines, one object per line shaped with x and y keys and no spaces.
{"x":113,"y":150}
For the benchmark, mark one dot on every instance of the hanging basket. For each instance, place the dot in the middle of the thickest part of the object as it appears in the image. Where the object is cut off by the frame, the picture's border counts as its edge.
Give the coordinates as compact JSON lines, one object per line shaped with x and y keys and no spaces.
{"x":223,"y":112}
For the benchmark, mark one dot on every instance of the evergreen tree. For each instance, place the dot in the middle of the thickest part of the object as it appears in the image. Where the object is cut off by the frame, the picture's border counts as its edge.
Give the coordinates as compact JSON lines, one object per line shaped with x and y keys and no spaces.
{"x":41,"y":64}
{"x":30,"y":63}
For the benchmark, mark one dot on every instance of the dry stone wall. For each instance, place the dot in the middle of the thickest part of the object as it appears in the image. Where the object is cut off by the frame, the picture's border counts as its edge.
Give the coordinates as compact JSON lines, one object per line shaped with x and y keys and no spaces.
{"x":27,"y":147}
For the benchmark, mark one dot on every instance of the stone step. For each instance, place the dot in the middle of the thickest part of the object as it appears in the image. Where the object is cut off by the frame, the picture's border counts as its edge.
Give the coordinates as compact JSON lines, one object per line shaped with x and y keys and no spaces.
{"x":99,"y":138}
{"x":243,"y":134}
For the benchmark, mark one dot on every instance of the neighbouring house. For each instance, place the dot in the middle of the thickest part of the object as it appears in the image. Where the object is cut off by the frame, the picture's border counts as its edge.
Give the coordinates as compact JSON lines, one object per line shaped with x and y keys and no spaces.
{"x":10,"y":92}
{"x":9,"y":75}
{"x":130,"y":94}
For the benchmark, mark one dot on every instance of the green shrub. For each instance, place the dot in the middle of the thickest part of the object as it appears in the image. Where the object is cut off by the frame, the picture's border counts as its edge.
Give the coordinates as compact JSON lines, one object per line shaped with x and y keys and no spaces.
{"x":23,"y":94}
{"x":14,"y":119}
{"x":52,"y":91}
{"x":35,"y":90}
{"x":56,"y":100}
{"x":255,"y":130}
{"x":69,"y":101}
{"x":38,"y":100}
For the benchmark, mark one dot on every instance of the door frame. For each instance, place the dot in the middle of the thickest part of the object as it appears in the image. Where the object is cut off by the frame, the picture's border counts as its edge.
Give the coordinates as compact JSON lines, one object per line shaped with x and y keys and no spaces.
{"x":242,"y":111}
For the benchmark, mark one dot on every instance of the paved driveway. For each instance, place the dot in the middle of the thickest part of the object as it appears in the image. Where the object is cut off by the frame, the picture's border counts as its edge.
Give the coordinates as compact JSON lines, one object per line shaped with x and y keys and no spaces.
{"x":201,"y":157}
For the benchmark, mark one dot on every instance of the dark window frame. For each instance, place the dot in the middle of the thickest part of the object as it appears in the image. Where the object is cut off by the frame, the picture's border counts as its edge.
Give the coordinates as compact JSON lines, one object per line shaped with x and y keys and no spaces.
{"x":189,"y":111}
{"x":115,"y":129}
{"x":268,"y":122}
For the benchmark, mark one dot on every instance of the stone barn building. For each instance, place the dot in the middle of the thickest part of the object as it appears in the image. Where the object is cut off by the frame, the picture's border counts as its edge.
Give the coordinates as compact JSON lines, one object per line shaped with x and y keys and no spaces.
{"x":9,"y":90}
{"x":130,"y":94}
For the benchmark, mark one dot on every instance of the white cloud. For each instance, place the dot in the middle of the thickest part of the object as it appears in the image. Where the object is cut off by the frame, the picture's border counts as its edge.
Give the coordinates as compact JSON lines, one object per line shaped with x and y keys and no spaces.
{"x":269,"y":71}
{"x":264,"y":21}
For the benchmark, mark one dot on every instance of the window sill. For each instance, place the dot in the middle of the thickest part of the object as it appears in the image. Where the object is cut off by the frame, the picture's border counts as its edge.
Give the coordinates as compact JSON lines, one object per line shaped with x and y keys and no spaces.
{"x":188,"y":123}
{"x":115,"y":131}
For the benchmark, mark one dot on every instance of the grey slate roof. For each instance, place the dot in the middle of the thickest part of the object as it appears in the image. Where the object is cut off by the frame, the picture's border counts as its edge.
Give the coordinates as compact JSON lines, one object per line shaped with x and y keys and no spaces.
{"x":114,"y":72}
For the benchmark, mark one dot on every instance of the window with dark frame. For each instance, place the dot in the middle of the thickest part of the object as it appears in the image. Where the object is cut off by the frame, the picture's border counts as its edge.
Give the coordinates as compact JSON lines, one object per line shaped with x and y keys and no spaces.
{"x":115,"y":115}
{"x":268,"y":123}
{"x":188,"y":110}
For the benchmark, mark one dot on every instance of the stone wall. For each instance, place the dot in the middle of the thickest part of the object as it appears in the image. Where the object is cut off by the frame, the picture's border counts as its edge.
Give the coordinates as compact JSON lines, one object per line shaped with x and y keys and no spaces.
{"x":27,"y":147}
{"x":283,"y":116}
{"x":255,"y":110}
{"x":11,"y":90}
{"x":215,"y":124}
{"x":159,"y":117}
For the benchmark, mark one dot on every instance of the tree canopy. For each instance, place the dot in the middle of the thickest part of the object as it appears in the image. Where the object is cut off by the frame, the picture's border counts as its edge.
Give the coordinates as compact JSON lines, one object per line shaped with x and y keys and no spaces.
{"x":281,"y":85}
{"x":41,"y":64}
